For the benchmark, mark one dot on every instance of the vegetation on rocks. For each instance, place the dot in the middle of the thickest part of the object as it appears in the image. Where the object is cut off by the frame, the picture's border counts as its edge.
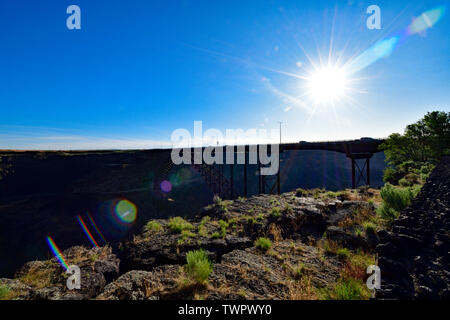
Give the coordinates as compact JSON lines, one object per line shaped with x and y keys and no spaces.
{"x":395,"y":199}
{"x":198,"y":266}
{"x":4,"y":292}
{"x":178,"y":224}
{"x":152,"y":226}
{"x":263,"y":243}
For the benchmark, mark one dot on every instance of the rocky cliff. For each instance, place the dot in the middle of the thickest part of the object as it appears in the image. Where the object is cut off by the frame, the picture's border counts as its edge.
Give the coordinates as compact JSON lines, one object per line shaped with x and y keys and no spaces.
{"x":415,"y":256}
{"x":317,"y":247}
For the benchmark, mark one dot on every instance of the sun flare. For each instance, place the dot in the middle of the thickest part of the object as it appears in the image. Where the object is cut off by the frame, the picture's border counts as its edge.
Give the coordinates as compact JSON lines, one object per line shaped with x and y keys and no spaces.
{"x":327,"y":85}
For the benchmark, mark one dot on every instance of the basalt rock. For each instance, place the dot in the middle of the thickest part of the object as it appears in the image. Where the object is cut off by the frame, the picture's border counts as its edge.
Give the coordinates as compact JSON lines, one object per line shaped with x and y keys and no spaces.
{"x":47,"y":280}
{"x":414,"y":256}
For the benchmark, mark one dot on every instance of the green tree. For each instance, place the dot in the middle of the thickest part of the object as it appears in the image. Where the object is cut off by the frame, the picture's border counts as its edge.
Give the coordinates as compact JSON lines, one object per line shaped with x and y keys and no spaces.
{"x":424,"y":142}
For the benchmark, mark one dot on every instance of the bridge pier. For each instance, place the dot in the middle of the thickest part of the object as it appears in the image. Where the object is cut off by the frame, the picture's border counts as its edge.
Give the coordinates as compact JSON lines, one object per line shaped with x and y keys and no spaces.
{"x":245,"y":172}
{"x":358,"y":171}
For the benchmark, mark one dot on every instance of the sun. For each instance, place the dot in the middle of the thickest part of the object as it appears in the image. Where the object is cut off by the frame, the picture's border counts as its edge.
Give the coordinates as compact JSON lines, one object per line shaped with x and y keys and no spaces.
{"x":327,"y":85}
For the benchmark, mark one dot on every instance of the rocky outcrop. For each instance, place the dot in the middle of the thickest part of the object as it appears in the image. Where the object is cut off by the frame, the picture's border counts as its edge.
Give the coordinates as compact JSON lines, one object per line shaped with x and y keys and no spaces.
{"x":415,"y":256}
{"x":241,"y":274}
{"x":151,"y":265}
{"x":46,"y":280}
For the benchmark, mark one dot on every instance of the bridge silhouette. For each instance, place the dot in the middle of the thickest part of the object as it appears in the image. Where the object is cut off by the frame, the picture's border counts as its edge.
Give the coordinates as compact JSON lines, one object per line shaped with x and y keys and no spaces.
{"x":359,"y":152}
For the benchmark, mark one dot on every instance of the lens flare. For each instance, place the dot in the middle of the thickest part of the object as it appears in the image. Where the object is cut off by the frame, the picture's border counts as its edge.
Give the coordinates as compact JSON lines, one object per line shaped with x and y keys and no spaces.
{"x":96,"y":228}
{"x":87,"y":232}
{"x":126,"y":211}
{"x":57,"y":252}
{"x":166,"y":186}
{"x":426,"y":20}
{"x":379,"y":50}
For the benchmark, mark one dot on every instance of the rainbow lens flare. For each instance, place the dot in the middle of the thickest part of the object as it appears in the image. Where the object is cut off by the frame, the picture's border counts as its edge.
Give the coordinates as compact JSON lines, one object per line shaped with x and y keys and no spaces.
{"x":166,"y":186}
{"x":126,"y":211}
{"x":57,"y":252}
{"x":379,"y":50}
{"x":426,"y":20}
{"x":96,"y":228}
{"x":87,"y":232}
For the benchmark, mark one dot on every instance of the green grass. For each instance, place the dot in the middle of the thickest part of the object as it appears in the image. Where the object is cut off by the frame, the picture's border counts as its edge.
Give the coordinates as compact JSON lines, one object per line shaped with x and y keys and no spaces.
{"x":395,"y":200}
{"x":202,"y":231}
{"x":185,"y":235}
{"x":274,"y":202}
{"x":299,"y":271}
{"x":343,"y":253}
{"x":370,"y":227}
{"x":287,"y":208}
{"x":263,"y":244}
{"x":152,"y":226}
{"x":251,"y":220}
{"x":348,"y":290}
{"x":205,"y":220}
{"x":178,"y":225}
{"x":276,"y":212}
{"x":301,"y":192}
{"x":223,"y":227}
{"x":260,"y":217}
{"x":215,"y":235}
{"x":198,"y":266}
{"x":4,"y":292}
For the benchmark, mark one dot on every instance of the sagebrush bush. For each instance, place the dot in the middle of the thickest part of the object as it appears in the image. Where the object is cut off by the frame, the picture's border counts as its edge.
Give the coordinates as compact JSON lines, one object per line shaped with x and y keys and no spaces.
{"x":263,"y":243}
{"x":215,"y":235}
{"x":301,"y":192}
{"x":198,"y":266}
{"x":152,"y":226}
{"x":343,"y":253}
{"x":178,"y":224}
{"x":4,"y":292}
{"x":223,"y":227}
{"x":349,"y":290}
{"x":276,"y":212}
{"x":395,"y":200}
{"x":370,"y":227}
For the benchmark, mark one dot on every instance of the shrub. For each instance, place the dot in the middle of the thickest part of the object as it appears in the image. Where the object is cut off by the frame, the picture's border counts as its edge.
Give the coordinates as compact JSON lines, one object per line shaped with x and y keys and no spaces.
{"x":274,"y":202}
{"x":263,"y":243}
{"x":259,"y":217}
{"x":276,"y":212}
{"x":4,"y":292}
{"x":251,"y":220}
{"x":185,"y":235}
{"x":223,"y":227}
{"x":202,"y":231}
{"x":178,"y":224}
{"x":301,"y":192}
{"x":215,"y":235}
{"x":409,"y":180}
{"x":205,"y":220}
{"x":343,"y":253}
{"x":349,"y":290}
{"x":387,"y":213}
{"x":343,"y":195}
{"x":370,"y":227}
{"x":198,"y":266}
{"x":287,"y":208}
{"x":395,"y":200}
{"x":390,"y":175}
{"x":299,"y":271}
{"x":152,"y":226}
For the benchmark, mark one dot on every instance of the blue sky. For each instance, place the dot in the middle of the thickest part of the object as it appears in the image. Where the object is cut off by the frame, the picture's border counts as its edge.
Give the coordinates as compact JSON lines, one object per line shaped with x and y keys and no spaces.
{"x":138,"y":70}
